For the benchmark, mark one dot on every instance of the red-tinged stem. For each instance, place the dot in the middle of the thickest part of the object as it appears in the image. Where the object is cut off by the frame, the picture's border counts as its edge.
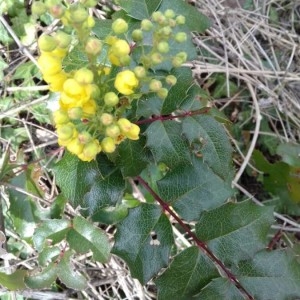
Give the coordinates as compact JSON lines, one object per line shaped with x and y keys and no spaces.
{"x":164,"y":118}
{"x":202,"y":245}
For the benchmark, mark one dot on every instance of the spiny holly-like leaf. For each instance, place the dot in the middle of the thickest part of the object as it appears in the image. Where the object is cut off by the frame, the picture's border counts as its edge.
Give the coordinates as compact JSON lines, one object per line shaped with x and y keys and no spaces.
{"x":14,"y":281}
{"x":67,"y":274}
{"x":195,"y":21}
{"x":215,"y":147}
{"x":133,"y":157}
{"x":54,"y":230}
{"x":188,"y":273}
{"x":144,"y":240}
{"x":84,"y":237}
{"x":289,"y":153}
{"x":235,"y":231}
{"x":107,"y":190}
{"x":75,"y":177}
{"x":270,"y":275}
{"x":220,"y":288}
{"x":180,"y":92}
{"x":166,"y":144}
{"x":42,"y":279}
{"x":193,"y":188}
{"x":102,"y":28}
{"x":139,"y":9}
{"x":48,"y":254}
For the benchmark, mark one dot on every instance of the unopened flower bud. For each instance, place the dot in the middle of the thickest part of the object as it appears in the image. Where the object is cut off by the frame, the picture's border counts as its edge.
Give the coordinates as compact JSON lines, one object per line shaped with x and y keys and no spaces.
{"x":75,"y":113}
{"x":93,"y":46}
{"x":180,"y":37}
{"x":112,"y":130}
{"x":140,"y":72}
{"x":65,"y":132}
{"x":57,"y":11}
{"x":171,"y":80}
{"x":155,"y":85}
{"x":47,"y":43}
{"x":106,"y":119}
{"x":163,"y":47}
{"x":119,"y":26}
{"x":180,"y":19}
{"x":84,"y":137}
{"x":111,"y":99}
{"x":79,"y":14}
{"x":63,"y":39}
{"x":162,"y":93}
{"x":137,"y":35}
{"x":169,"y":13}
{"x":38,"y":8}
{"x":146,"y":25}
{"x":156,"y":58}
{"x":108,"y":145}
{"x":84,"y":76}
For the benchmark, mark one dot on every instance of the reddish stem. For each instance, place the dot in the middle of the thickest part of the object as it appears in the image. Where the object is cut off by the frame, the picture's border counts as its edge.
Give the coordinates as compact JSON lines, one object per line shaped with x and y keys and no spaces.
{"x":202,"y":245}
{"x":164,"y":118}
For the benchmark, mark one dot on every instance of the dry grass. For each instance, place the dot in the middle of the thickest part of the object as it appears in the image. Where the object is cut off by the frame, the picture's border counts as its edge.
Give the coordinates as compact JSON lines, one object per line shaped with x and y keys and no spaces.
{"x":261,"y":56}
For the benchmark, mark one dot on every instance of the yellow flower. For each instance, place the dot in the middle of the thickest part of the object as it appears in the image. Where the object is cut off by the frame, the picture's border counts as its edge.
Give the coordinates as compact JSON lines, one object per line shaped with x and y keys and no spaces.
{"x":49,"y":65}
{"x":90,"y":151}
{"x":56,"y":81}
{"x":126,"y":82}
{"x":75,"y":147}
{"x":133,"y":133}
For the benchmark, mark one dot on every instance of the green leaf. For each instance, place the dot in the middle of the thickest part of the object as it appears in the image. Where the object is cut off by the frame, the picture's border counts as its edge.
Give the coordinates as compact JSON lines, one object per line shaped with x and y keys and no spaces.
{"x":23,"y":210}
{"x":70,"y":277}
{"x":48,"y":254}
{"x":215,"y":147}
{"x":166,"y":144}
{"x":54,"y":230}
{"x":235,"y":231}
{"x":191,"y":189}
{"x":180,"y":92}
{"x":102,"y":28}
{"x":25,"y":71}
{"x":111,"y":214}
{"x":43,"y":279}
{"x":289,"y":153}
{"x":194,"y":20}
{"x":139,"y":9}
{"x":270,"y":275}
{"x":14,"y":281}
{"x":4,"y":36}
{"x":107,"y":189}
{"x":70,"y":169}
{"x":84,"y":237}
{"x":144,"y":255}
{"x":75,"y":60}
{"x":132,"y":157}
{"x":220,"y":288}
{"x":188,"y":273}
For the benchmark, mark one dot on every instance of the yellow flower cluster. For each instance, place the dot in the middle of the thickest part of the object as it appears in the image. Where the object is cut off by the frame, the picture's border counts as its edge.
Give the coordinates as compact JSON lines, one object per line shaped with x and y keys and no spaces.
{"x":94,"y":98}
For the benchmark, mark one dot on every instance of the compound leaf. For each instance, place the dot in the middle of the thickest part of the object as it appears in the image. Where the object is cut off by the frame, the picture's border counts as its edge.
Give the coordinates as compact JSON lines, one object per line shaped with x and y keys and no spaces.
{"x":70,"y":277}
{"x":75,"y":177}
{"x":166,"y":144}
{"x":188,"y":273}
{"x":42,"y":279}
{"x":239,"y":228}
{"x":191,"y":189}
{"x":54,"y":230}
{"x":139,"y":9}
{"x":135,"y":243}
{"x":84,"y":237}
{"x":214,"y":144}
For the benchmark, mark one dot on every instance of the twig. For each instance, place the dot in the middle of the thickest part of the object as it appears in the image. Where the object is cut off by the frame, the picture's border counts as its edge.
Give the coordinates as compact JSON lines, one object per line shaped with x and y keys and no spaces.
{"x":202,"y":245}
